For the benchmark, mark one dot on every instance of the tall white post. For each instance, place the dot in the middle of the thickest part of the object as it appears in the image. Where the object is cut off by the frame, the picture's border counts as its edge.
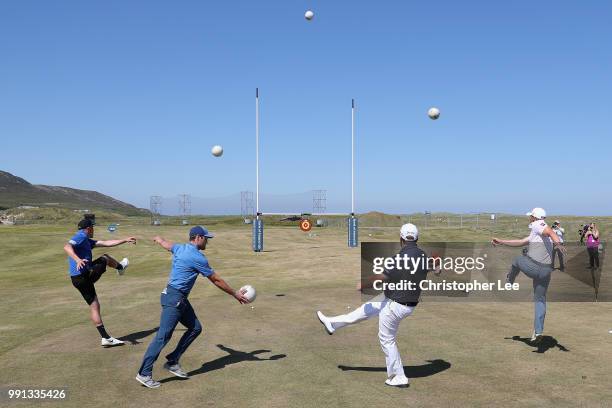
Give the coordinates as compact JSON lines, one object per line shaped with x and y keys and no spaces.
{"x":353,"y":222}
{"x":258,"y":232}
{"x":353,"y":156}
{"x":257,"y":151}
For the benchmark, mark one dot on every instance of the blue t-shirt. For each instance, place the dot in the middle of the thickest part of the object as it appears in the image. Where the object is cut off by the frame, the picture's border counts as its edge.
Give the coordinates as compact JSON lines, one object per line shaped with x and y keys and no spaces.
{"x":82,"y":246}
{"x":187,"y":263}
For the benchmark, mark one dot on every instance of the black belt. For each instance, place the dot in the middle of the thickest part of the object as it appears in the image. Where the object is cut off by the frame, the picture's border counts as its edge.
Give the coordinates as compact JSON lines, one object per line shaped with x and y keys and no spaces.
{"x":409,"y":304}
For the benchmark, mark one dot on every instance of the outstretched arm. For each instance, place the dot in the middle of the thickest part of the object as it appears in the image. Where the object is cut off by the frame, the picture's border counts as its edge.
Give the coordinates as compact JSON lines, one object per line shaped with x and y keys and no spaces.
{"x":115,"y":242}
{"x":221,"y":284}
{"x":167,"y":245}
{"x":511,"y":242}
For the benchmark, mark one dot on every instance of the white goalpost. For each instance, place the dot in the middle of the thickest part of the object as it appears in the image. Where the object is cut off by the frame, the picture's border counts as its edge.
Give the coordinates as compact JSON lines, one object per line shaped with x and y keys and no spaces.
{"x":258,"y":227}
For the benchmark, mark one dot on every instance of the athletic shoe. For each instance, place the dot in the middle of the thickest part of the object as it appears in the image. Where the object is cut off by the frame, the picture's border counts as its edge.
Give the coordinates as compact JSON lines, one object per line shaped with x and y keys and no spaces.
{"x":536,"y":338}
{"x":110,"y":342}
{"x":610,"y":331}
{"x":176,"y":370}
{"x":326,"y":323}
{"x":397,"y":381}
{"x":125,"y":263}
{"x":147,"y":381}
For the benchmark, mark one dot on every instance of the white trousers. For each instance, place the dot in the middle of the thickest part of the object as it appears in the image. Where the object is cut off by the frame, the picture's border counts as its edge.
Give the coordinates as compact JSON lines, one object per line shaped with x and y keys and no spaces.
{"x":390,"y":314}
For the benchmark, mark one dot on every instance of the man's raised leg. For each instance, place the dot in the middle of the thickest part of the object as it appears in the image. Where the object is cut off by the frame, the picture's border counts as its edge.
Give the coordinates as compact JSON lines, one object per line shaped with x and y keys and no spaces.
{"x":363,"y":312}
{"x":514,"y":269}
{"x":113,"y":263}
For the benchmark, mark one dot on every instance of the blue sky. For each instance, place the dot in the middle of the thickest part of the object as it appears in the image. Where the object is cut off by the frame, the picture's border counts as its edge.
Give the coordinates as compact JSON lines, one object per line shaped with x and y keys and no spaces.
{"x":127,"y":98}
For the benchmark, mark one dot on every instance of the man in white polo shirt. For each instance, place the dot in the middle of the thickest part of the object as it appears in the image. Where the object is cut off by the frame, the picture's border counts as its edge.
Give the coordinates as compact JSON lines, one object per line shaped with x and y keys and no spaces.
{"x":536,"y":263}
{"x":560,"y":231}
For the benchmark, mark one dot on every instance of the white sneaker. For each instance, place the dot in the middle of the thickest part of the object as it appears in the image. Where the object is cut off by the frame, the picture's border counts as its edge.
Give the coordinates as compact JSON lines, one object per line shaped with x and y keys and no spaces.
{"x":147,"y":381}
{"x":125,"y":263}
{"x":398,"y":381}
{"x":326,"y":323}
{"x":536,"y":338}
{"x":176,"y":369}
{"x":111,"y":342}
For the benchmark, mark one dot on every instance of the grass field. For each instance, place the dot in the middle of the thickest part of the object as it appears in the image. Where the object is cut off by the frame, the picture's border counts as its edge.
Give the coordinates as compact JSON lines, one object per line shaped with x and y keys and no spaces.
{"x":275,"y":354}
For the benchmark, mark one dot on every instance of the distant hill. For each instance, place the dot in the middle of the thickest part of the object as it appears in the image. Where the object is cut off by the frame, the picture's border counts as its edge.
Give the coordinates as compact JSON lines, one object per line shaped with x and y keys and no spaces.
{"x":15,"y":191}
{"x":379,"y":219}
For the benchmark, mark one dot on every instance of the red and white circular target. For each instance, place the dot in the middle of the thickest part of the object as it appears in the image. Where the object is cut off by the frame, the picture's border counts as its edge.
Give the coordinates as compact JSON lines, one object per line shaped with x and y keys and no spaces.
{"x":305,"y":225}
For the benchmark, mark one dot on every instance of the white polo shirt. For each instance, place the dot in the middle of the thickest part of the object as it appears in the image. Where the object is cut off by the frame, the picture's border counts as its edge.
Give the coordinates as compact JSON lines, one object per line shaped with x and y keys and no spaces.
{"x":540,"y":247}
{"x":559,"y":231}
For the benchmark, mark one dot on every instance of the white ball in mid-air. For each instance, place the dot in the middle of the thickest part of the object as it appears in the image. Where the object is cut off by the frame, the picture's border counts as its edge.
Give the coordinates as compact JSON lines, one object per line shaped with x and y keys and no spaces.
{"x":433,"y":113}
{"x":309,"y":15}
{"x":216,"y":151}
{"x":249,"y":292}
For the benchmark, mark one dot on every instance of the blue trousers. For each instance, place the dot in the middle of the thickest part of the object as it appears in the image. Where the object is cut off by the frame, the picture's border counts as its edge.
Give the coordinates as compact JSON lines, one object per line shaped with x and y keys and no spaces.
{"x":540,"y":274}
{"x":175,"y":308}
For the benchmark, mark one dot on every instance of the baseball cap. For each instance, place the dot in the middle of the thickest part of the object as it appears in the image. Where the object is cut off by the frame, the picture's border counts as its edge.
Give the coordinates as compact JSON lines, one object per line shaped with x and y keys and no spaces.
{"x":85,"y":223}
{"x":201,"y":231}
{"x":538,"y":213}
{"x":409,"y":231}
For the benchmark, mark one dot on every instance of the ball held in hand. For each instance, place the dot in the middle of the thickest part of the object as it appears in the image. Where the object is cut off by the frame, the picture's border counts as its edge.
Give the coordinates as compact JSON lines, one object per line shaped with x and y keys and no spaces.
{"x":248,"y":292}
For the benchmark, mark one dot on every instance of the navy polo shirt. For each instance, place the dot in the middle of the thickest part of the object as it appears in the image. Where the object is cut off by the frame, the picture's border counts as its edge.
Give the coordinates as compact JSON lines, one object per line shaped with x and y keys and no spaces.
{"x":397,"y":275}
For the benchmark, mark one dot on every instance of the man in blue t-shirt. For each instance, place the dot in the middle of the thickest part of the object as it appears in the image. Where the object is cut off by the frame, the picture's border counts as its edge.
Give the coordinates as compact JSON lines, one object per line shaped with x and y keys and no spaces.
{"x":85,"y":271}
{"x":187,"y":263}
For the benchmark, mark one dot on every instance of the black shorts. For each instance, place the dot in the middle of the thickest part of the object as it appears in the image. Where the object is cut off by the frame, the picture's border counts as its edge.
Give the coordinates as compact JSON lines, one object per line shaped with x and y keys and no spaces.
{"x":89,"y":275}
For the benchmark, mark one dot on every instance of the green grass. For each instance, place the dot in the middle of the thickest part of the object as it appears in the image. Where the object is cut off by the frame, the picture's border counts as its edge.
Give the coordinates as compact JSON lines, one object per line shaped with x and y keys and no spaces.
{"x":46,"y":339}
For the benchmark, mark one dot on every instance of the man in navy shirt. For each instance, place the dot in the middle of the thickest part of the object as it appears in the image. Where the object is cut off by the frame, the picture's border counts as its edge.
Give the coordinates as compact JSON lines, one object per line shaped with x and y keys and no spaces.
{"x":391,"y":307}
{"x":187,"y":263}
{"x":85,"y":271}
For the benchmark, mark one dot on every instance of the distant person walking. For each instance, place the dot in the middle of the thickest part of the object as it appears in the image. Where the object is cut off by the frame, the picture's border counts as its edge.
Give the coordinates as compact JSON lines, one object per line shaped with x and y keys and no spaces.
{"x":592,"y":244}
{"x":536,"y":263}
{"x":556,"y":227}
{"x":187,"y":263}
{"x":85,"y":271}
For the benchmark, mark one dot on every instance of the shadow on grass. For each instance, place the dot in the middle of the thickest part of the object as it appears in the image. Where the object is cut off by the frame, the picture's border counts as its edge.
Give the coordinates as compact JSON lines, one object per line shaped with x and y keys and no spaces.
{"x":233,"y":357}
{"x":542,"y":346}
{"x":425,"y":370}
{"x":133,"y":338}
